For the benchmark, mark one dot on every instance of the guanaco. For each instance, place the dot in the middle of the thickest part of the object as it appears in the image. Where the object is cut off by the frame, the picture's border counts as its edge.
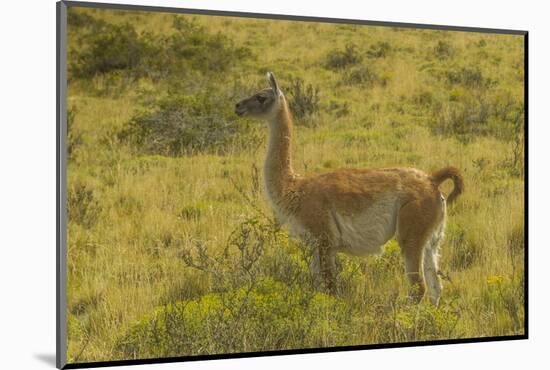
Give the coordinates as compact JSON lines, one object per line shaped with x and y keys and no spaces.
{"x":354,"y":211}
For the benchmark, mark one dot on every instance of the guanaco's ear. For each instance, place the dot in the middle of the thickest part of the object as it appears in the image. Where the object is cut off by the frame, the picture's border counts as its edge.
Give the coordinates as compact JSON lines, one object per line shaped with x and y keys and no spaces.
{"x":273,"y":83}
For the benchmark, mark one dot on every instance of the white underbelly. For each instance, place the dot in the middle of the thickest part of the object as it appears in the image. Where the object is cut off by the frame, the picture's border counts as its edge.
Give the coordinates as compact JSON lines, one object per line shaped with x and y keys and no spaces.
{"x":366,"y":232}
{"x":359,"y":234}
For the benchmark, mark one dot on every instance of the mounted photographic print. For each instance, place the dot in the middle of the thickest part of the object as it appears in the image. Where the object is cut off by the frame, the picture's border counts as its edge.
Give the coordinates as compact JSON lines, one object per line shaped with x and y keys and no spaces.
{"x":235,"y":184}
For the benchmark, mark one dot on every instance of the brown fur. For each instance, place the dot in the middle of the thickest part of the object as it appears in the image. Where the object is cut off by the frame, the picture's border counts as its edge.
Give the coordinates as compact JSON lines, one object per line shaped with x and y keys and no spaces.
{"x":449,"y":173}
{"x":314,"y":204}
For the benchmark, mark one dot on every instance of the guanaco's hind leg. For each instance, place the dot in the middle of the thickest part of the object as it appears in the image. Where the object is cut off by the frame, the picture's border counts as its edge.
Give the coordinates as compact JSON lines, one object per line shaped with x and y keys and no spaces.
{"x":431,"y":268}
{"x":412,"y":253}
{"x":415,"y":226}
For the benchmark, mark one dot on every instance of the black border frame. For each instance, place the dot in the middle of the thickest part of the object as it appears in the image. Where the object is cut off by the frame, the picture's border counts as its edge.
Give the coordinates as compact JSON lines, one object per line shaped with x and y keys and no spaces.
{"x":61,"y":184}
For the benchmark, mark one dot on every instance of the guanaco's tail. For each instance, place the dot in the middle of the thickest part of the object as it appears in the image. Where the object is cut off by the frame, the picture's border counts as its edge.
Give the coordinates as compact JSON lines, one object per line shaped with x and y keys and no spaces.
{"x":449,"y":173}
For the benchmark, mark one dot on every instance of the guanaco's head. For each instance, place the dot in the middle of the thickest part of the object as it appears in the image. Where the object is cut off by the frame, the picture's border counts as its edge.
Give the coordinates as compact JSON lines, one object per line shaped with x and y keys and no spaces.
{"x":262,"y":104}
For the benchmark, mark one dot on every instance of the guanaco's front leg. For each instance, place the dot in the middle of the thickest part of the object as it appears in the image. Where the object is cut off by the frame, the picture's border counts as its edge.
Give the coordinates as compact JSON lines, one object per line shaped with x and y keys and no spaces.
{"x":327,"y":258}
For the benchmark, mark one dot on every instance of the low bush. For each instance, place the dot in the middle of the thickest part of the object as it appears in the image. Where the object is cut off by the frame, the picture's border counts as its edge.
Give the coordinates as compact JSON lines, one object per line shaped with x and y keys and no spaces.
{"x":465,"y":118}
{"x":203,"y":50}
{"x":444,"y":50}
{"x":379,"y":50}
{"x":339,"y":59}
{"x":82,"y":206}
{"x":361,"y":75}
{"x":303,"y":99}
{"x":469,"y":114}
{"x":255,"y":249}
{"x":504,"y":297}
{"x":109,"y":47}
{"x":79,"y":21}
{"x":268,"y":316}
{"x":185,"y":123}
{"x":112,"y":47}
{"x":424,"y":321}
{"x":470,"y":76}
{"x":389,"y":264}
{"x":261,"y":300}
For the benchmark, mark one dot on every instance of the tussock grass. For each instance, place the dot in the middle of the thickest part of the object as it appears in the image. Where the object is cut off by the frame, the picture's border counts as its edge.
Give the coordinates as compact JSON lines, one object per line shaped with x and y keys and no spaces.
{"x":152,"y":193}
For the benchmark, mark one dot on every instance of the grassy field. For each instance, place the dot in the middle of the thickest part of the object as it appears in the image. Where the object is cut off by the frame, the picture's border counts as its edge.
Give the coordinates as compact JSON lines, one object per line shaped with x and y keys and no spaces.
{"x":172,"y":249}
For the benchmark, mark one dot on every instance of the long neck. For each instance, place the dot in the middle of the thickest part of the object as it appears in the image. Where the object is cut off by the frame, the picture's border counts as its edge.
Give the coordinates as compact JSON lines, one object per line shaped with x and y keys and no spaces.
{"x":278,"y":169}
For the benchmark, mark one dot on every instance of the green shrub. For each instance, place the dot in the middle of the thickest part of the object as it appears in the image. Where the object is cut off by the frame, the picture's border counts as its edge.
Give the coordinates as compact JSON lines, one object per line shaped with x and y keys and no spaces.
{"x":339,"y":59}
{"x":464,"y":118}
{"x":257,"y":248}
{"x":504,"y":298}
{"x":204,"y":51}
{"x":80,"y":20}
{"x":425,"y":322}
{"x":361,"y":75}
{"x":444,"y":50}
{"x":468,"y":114}
{"x":289,"y":266}
{"x":379,"y":50}
{"x":82,"y":206}
{"x":388,"y":265}
{"x":303,"y":99}
{"x":180,"y":124}
{"x":111,"y":47}
{"x":240,"y":262}
{"x":269,"y":316}
{"x":471,"y":77}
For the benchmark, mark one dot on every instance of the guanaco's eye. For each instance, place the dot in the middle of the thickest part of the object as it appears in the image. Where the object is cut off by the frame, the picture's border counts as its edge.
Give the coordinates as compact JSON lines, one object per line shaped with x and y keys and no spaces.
{"x":261,"y":99}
